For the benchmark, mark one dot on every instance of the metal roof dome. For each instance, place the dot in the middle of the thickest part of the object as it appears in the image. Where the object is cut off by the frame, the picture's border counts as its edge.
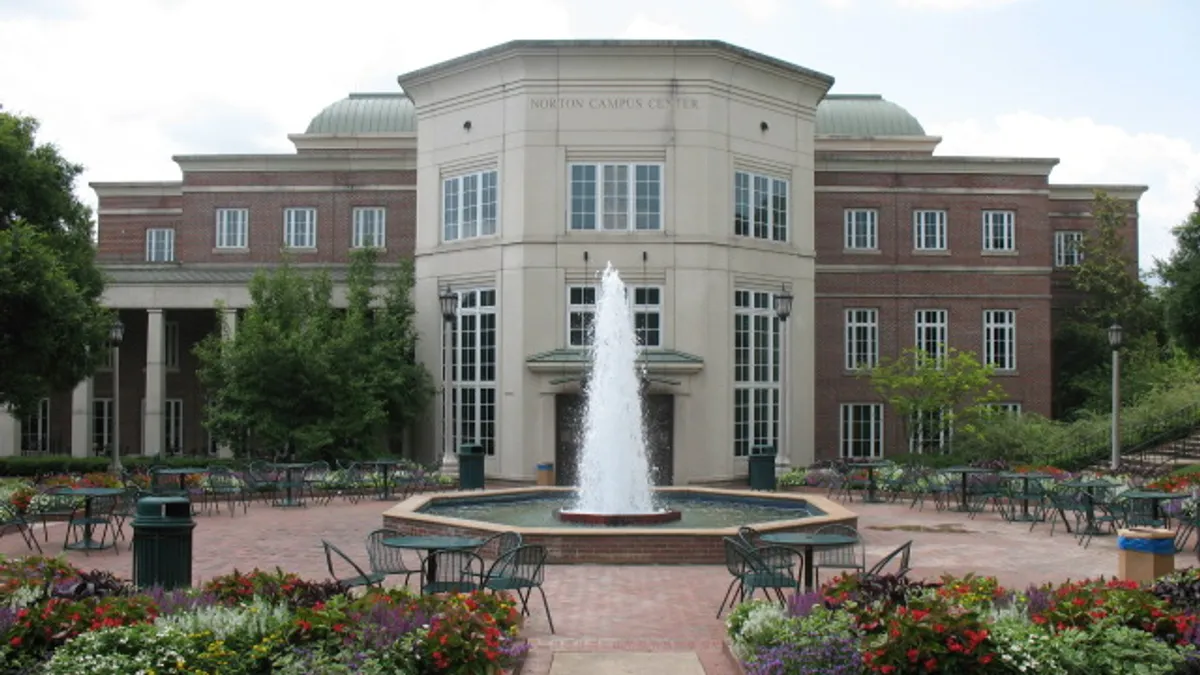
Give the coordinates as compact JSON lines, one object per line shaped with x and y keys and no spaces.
{"x":864,"y":116}
{"x":370,"y":113}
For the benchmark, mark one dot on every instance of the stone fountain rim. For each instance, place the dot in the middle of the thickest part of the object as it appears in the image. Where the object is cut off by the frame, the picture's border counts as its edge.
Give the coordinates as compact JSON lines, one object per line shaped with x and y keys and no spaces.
{"x":410,"y":510}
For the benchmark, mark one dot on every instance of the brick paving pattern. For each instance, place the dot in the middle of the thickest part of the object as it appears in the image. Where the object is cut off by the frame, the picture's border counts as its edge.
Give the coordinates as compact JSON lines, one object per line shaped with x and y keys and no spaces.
{"x":649,"y":608}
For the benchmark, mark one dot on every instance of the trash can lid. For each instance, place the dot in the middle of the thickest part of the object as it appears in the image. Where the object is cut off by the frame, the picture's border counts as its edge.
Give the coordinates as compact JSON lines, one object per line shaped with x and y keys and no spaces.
{"x":545,"y":466}
{"x":163,"y":508}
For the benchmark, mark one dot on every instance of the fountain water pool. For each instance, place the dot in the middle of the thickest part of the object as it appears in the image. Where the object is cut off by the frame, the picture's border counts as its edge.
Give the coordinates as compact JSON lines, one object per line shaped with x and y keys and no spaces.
{"x":614,"y":472}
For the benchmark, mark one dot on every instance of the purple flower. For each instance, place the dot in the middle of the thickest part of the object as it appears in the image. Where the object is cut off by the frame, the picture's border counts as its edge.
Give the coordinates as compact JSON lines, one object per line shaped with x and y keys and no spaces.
{"x":382,"y":625}
{"x":832,"y":656}
{"x":802,"y":604}
{"x":8,"y":616}
{"x":1038,"y":598}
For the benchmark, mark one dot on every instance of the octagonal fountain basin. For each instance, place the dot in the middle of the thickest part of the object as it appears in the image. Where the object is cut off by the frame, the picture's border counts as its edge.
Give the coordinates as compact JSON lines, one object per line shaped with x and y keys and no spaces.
{"x":706,"y":516}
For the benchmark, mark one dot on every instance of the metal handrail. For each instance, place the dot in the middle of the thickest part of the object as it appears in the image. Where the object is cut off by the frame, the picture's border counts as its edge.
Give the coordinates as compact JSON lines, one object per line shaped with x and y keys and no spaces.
{"x":1135,"y":439}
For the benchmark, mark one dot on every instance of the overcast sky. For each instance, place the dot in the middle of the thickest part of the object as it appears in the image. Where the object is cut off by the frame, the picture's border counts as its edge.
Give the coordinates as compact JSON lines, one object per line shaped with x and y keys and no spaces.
{"x":1107,"y":86}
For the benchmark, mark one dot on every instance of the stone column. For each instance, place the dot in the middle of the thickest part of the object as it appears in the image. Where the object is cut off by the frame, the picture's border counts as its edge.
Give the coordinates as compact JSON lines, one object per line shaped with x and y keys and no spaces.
{"x":154,"y":420}
{"x":81,"y":419}
{"x":229,"y":330}
{"x":10,"y":434}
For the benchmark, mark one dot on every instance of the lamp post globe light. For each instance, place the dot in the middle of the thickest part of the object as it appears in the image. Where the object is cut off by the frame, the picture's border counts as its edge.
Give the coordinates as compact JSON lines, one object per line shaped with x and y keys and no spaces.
{"x":116,"y":333}
{"x":1115,"y":337}
{"x":448,"y":301}
{"x":783,"y":309}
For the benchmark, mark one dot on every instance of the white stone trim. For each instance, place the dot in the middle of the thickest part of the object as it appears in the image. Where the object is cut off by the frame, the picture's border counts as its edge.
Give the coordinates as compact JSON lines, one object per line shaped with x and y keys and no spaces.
{"x":140,"y":212}
{"x":835,"y":144}
{"x":871,"y":189}
{"x":1085,"y":192}
{"x":937,"y":296}
{"x":137,"y":189}
{"x":387,"y":141}
{"x":950,"y":269}
{"x":288,"y":163}
{"x":298,"y":188}
{"x":1007,"y":166}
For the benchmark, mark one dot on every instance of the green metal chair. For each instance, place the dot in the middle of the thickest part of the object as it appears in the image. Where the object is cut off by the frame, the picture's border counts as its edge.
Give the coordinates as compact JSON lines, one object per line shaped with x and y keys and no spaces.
{"x":84,"y":522}
{"x":769,"y":569}
{"x":222,"y":485}
{"x":903,"y":552}
{"x":9,"y":517}
{"x":849,"y":558}
{"x":387,"y":560}
{"x":451,"y":571}
{"x":499,"y":544}
{"x":362,"y":578}
{"x":520,"y":570}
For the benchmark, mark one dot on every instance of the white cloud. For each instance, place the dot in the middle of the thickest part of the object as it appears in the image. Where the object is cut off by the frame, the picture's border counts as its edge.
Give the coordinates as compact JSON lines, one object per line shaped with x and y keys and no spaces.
{"x":760,"y":10}
{"x":1095,"y":153}
{"x":929,"y":5}
{"x":645,"y":28}
{"x":122,"y":86}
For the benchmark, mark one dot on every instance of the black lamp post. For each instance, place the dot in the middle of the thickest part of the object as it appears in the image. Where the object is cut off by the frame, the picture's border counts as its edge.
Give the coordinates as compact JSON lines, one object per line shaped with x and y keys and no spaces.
{"x":116,"y":333}
{"x":449,"y":305}
{"x":1115,"y":338}
{"x":783,"y":310}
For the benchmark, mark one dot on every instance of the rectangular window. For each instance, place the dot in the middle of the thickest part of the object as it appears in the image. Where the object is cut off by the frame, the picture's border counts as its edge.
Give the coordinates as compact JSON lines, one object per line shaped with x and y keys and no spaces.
{"x":171,"y":344}
{"x":862,"y":430}
{"x":615,"y":197}
{"x":929,"y":230}
{"x":300,"y":228}
{"x":102,"y":426}
{"x":105,"y":363}
{"x":999,"y":231}
{"x":1000,"y":338}
{"x":862,"y":229}
{"x":931,"y":332}
{"x":756,"y":352}
{"x":470,"y":205}
{"x":160,"y":245}
{"x":35,"y":430}
{"x":174,"y":426}
{"x":233,"y":226}
{"x":474,"y":359}
{"x":1013,"y":409}
{"x":645,"y":302}
{"x":1068,"y":248}
{"x":862,"y":338}
{"x":368,"y":227}
{"x":928,"y":432}
{"x":760,"y":206}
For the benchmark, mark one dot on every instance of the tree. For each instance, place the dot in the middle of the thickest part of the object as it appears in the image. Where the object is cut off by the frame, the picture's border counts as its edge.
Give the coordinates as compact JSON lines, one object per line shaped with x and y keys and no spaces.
{"x":53,"y":328}
{"x":917,"y":386}
{"x":1180,"y":274}
{"x":1110,"y":291}
{"x":303,"y":377}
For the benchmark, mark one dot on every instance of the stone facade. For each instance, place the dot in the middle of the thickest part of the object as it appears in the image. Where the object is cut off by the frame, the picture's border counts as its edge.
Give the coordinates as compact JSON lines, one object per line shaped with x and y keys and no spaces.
{"x":709,"y":175}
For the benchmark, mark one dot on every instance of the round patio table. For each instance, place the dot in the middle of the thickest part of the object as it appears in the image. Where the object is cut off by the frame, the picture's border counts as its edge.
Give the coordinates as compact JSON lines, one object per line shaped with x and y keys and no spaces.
{"x":183,"y":473}
{"x":431,"y":544}
{"x":88,"y":494}
{"x":1087,"y":488}
{"x":1025,"y":478}
{"x":808,"y":542}
{"x":966,"y":471}
{"x":384,"y":465}
{"x":1155,"y":498}
{"x":872,"y":496}
{"x":290,"y":483}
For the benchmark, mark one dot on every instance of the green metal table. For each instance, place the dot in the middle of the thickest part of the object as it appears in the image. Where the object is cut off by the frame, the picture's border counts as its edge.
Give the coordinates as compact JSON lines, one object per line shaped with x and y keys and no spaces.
{"x":1088,"y":488}
{"x":872,"y":496}
{"x":1025,"y":477}
{"x":1155,"y":498}
{"x":431,"y":544}
{"x":808,"y":543}
{"x":183,"y":473}
{"x":291,"y":482}
{"x":384,"y":465}
{"x":966,"y":471}
{"x":88,"y":494}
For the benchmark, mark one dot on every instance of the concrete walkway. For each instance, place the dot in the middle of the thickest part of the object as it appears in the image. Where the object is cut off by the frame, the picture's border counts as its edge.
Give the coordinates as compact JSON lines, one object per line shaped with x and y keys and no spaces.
{"x":626,"y":663}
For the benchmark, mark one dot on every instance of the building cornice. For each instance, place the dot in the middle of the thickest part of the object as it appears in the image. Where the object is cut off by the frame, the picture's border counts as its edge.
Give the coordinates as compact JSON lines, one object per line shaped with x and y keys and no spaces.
{"x":939,"y":164}
{"x":1087,"y":191}
{"x":627,"y":49}
{"x":172,"y":188}
{"x":293,"y":163}
{"x":373,"y":142}
{"x":872,"y":144}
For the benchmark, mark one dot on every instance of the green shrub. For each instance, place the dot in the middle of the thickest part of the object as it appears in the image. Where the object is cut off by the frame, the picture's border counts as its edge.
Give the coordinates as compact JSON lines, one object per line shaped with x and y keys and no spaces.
{"x":56,"y":464}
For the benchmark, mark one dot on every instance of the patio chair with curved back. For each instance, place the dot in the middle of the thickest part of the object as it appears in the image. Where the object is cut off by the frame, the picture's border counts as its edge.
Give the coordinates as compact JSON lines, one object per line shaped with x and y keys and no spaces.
{"x":752,"y":539}
{"x":361,"y":578}
{"x":852,"y":557}
{"x":735,"y":564}
{"x":357,"y":478}
{"x":222,"y":485}
{"x":387,"y":560}
{"x":10,"y":517}
{"x":497,"y":545}
{"x":903,"y":552}
{"x":126,"y":508}
{"x":520,"y":570}
{"x":53,"y":506}
{"x":769,"y":569}
{"x":451,"y":571}
{"x":316,"y":478}
{"x":84,"y":522}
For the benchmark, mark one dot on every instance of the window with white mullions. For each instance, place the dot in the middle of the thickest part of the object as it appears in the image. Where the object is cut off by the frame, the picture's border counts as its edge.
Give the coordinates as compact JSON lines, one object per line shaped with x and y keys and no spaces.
{"x":756,"y":358}
{"x":300,"y":228}
{"x":999,"y":231}
{"x":102,"y":426}
{"x":928,"y":433}
{"x":862,"y":430}
{"x":469,"y":205}
{"x":160,"y":245}
{"x":862,"y":229}
{"x":931,"y":327}
{"x":233,"y":226}
{"x":1068,"y":248}
{"x":760,"y":206}
{"x":929,"y":230}
{"x":368,"y":227}
{"x":615,"y":197}
{"x":862,"y":338}
{"x":35,"y":429}
{"x":1000,"y":338}
{"x":473,"y":373}
{"x":645,"y":303}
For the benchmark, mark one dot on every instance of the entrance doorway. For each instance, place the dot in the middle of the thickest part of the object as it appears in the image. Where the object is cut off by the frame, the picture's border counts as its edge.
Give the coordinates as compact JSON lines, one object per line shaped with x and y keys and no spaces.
{"x":659,"y":413}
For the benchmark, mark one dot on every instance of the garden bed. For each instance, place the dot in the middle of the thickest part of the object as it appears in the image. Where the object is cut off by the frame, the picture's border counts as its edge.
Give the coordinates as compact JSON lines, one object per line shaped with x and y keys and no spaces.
{"x":56,"y":619}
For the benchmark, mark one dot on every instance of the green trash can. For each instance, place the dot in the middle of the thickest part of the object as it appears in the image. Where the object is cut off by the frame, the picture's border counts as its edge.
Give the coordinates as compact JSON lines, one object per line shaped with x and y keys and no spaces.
{"x":470,"y":466}
{"x":762,"y":467}
{"x":162,"y":542}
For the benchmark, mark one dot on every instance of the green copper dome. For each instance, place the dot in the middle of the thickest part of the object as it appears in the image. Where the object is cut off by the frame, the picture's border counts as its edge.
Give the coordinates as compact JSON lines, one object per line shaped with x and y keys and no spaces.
{"x":384,"y":113}
{"x":863,"y":116}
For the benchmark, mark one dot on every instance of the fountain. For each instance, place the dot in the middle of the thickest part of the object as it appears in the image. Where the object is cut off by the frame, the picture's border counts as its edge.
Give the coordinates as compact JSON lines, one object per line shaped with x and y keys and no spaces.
{"x":614,"y":473}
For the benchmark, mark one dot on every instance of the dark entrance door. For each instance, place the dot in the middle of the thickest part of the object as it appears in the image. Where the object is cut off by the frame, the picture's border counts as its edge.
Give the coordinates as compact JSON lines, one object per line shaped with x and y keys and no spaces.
{"x":659,"y":411}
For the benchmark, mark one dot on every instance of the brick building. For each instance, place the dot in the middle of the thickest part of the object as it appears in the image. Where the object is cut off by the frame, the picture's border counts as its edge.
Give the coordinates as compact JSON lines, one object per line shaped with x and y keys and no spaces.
{"x":710,"y":175}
